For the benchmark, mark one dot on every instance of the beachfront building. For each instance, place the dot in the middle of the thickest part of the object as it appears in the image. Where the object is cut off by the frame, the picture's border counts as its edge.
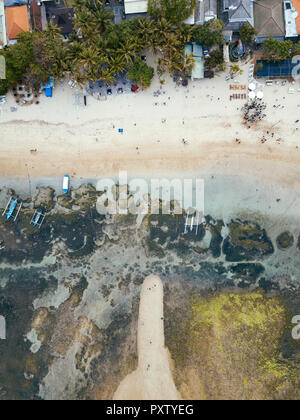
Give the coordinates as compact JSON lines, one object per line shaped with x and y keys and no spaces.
{"x":206,"y":10}
{"x":135,"y":8}
{"x":270,"y":20}
{"x":3,"y":36}
{"x":17,"y":19}
{"x":196,"y":51}
{"x":236,"y":13}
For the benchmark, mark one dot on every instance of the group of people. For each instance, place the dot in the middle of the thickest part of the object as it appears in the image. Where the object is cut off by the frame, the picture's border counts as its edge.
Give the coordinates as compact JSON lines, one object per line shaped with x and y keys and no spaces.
{"x":253,"y":112}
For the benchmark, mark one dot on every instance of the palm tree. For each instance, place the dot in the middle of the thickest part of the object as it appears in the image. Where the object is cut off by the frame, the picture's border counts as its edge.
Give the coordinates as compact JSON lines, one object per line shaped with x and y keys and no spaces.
{"x":144,"y":31}
{"x":104,"y":19}
{"x":107,"y":76}
{"x":84,"y":24}
{"x":117,"y":64}
{"x":89,"y":61}
{"x":127,"y":50}
{"x":185,"y":33}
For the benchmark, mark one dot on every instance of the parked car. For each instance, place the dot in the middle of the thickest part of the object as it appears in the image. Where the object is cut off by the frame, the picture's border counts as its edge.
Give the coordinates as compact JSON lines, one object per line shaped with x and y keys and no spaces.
{"x":2,"y":99}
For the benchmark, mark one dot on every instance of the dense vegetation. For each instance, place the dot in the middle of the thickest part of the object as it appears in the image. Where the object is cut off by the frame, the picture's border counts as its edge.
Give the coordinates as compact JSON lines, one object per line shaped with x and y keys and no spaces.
{"x":279,"y":50}
{"x":99,"y":49}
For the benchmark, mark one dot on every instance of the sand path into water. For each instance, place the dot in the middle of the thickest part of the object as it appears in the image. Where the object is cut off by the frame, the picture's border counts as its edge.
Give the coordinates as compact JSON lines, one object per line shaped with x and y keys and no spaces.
{"x":153,"y":378}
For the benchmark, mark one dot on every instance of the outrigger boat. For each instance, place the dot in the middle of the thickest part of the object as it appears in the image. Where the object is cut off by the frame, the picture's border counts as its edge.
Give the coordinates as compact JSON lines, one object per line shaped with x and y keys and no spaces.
{"x":38,"y":219}
{"x":12,"y":209}
{"x":192,"y":221}
{"x":66,"y":184}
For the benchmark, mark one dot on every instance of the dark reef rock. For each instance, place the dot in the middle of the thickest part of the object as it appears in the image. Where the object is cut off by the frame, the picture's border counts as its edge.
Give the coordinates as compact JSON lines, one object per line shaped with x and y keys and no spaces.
{"x":285,"y":240}
{"x":246,"y":241}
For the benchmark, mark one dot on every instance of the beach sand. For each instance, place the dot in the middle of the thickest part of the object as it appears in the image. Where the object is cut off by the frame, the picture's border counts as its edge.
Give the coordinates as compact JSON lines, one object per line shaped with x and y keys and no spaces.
{"x":55,"y":138}
{"x":153,"y":378}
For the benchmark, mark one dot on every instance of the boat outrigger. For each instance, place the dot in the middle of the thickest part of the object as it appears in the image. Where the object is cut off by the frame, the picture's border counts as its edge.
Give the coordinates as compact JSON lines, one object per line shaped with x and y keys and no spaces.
{"x":38,"y":219}
{"x":12,"y":209}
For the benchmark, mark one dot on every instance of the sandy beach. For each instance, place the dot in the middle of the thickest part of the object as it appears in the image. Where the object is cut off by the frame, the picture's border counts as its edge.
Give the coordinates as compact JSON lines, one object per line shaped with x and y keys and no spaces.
{"x":153,"y":378}
{"x":55,"y":137}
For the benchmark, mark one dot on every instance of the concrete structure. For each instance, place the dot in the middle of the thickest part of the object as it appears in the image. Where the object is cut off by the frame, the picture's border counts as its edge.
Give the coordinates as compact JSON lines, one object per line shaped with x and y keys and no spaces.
{"x":235,"y":13}
{"x":269,"y":20}
{"x":290,"y":16}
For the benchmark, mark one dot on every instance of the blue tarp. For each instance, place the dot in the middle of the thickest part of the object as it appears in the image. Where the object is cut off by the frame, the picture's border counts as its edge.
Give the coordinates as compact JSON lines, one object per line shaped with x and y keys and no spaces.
{"x":49,"y":84}
{"x":48,"y":92}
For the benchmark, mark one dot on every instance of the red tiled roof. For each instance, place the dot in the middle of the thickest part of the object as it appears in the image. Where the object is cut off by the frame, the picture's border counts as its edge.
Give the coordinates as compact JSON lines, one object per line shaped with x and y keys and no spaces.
{"x":16,"y":20}
{"x":297,"y":7}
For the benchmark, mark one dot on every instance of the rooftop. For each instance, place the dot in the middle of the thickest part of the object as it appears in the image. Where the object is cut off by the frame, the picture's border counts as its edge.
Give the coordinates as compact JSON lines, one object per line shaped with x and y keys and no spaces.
{"x":16,"y":21}
{"x":63,"y":18}
{"x":290,"y":15}
{"x":205,"y":10}
{"x":269,"y":18}
{"x":135,"y":6}
{"x":197,"y":51}
{"x":238,"y":12}
{"x":296,"y":4}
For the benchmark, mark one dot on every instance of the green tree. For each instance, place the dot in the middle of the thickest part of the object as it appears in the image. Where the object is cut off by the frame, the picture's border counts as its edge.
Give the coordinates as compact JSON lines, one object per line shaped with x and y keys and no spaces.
{"x":235,"y":69}
{"x":175,"y":11}
{"x":215,"y":60}
{"x":140,"y":73}
{"x":209,"y":34}
{"x":247,"y":33}
{"x":277,"y":50}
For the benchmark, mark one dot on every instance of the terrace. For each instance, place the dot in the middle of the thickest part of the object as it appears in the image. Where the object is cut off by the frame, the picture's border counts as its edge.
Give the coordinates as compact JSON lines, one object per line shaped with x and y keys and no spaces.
{"x":100,"y":90}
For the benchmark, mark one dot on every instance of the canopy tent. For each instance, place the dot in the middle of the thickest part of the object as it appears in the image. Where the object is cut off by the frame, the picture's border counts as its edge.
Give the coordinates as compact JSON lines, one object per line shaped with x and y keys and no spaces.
{"x":48,"y":87}
{"x":252,"y":86}
{"x":252,"y":95}
{"x":260,"y":95}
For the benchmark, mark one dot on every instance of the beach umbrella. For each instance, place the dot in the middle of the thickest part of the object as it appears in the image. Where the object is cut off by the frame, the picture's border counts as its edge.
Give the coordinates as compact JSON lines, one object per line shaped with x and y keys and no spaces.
{"x":260,"y":95}
{"x":252,"y":86}
{"x":252,"y":95}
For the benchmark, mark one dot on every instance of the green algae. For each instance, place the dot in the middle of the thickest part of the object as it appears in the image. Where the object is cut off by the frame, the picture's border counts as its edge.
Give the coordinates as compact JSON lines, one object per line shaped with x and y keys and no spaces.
{"x":246,"y":241}
{"x":285,"y":240}
{"x":231,"y":344}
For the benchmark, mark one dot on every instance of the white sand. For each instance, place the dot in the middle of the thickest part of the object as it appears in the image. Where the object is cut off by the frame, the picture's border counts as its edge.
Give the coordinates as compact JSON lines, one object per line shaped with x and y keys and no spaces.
{"x":153,"y":378}
{"x":86,"y":143}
